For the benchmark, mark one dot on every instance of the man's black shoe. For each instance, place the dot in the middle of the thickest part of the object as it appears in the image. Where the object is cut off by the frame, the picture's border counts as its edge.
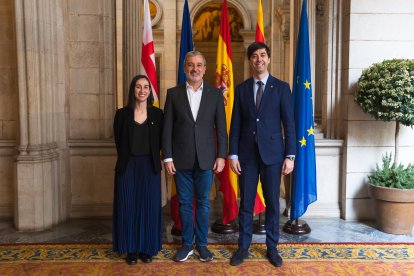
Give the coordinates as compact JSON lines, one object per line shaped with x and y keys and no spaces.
{"x":145,"y":257}
{"x":183,"y":253}
{"x":239,"y":256}
{"x":204,"y":254}
{"x":131,"y":258}
{"x":274,"y":257}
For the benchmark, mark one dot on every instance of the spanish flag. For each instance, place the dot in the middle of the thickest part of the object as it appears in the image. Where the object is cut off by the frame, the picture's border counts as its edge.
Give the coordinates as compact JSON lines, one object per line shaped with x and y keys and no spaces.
{"x":259,"y":205}
{"x":224,"y":81}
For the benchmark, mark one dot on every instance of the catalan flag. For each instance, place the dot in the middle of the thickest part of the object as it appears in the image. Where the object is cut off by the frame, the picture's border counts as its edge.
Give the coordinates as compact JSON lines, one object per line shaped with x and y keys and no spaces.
{"x":147,"y":66}
{"x":259,"y":25}
{"x":304,"y":176}
{"x":259,"y":205}
{"x":224,"y":81}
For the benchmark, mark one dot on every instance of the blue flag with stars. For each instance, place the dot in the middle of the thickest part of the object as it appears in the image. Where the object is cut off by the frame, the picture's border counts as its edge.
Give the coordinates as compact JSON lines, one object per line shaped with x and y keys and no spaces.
{"x":304,"y":176}
{"x":186,"y":44}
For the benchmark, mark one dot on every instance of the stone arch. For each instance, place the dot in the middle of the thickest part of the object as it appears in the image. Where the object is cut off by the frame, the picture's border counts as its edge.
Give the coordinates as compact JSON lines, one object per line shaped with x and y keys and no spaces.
{"x":247,"y":23}
{"x":207,"y":44}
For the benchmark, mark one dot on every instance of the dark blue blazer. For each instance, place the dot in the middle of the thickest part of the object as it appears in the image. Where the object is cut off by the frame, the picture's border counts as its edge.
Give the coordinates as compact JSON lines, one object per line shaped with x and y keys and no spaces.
{"x":266,"y":123}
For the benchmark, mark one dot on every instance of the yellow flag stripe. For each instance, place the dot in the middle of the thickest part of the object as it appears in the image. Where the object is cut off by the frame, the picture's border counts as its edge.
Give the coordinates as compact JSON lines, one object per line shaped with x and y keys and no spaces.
{"x":223,"y":58}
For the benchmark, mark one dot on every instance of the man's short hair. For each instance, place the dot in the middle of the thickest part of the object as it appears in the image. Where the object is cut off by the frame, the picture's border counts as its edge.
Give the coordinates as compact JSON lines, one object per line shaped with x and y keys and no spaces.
{"x":193,"y":54}
{"x":256,"y":46}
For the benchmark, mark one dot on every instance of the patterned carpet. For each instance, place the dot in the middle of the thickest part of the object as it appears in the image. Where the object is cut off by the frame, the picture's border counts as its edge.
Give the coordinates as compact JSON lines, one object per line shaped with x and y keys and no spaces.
{"x":299,"y":259}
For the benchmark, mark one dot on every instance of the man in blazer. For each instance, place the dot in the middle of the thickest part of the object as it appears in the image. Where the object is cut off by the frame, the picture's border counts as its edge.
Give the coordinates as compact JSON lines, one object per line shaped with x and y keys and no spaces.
{"x":261,"y":105}
{"x":194,"y":144}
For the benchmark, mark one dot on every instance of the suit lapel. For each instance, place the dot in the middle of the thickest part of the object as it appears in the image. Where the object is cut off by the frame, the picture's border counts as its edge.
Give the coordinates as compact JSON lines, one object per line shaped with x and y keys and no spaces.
{"x":250,"y":95}
{"x":267,"y":92}
{"x":184,"y":99}
{"x":204,"y":100}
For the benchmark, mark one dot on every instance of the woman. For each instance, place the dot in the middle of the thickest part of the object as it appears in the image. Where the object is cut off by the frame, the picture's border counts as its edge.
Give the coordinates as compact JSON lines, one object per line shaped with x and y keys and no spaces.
{"x":137,"y":198}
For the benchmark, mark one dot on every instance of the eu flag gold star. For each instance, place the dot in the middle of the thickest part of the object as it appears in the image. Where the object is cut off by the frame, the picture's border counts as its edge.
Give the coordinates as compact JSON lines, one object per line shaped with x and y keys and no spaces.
{"x":311,"y":131}
{"x":302,"y":142}
{"x":307,"y":84}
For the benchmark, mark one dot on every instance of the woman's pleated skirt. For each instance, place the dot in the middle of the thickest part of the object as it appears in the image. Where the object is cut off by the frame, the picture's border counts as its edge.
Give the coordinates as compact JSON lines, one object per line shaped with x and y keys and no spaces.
{"x":137,"y":218}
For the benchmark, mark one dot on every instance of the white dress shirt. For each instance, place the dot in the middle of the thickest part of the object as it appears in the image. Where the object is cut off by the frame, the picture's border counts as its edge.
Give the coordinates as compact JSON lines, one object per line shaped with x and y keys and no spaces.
{"x":194,"y":98}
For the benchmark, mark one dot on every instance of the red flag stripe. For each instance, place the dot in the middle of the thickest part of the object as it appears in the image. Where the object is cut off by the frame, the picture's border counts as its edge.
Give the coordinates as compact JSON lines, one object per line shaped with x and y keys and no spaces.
{"x":149,"y":66}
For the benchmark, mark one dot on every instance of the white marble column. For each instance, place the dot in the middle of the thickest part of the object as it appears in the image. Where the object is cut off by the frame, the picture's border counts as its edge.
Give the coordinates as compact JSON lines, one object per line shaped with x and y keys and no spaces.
{"x":169,"y":58}
{"x":332,"y":91}
{"x":281,"y":40}
{"x":42,"y":192}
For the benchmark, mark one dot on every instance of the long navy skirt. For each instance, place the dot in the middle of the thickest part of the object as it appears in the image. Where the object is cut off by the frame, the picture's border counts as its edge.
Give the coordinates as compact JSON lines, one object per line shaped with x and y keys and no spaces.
{"x":137,"y":219}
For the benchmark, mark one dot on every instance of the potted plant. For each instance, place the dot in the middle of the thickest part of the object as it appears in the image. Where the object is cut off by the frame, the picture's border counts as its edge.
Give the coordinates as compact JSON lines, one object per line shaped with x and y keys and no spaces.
{"x":386,"y":91}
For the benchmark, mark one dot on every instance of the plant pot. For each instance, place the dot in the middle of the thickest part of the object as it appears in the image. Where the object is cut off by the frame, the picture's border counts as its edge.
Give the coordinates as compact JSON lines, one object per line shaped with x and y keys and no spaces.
{"x":394,"y":209}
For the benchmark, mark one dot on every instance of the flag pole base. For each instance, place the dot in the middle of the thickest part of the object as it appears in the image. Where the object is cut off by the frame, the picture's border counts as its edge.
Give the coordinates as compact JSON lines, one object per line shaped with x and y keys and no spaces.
{"x":298,"y":227}
{"x":259,"y":226}
{"x":175,"y":231}
{"x":220,"y":228}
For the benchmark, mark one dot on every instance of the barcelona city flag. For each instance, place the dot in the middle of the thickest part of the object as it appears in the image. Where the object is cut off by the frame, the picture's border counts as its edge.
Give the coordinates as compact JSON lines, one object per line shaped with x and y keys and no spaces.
{"x":224,"y":81}
{"x":304,"y":176}
{"x":147,"y":66}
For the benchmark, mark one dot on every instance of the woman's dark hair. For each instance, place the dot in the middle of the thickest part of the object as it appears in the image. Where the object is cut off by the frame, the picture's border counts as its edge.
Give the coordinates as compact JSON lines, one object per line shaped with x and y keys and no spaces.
{"x":256,"y":46}
{"x":131,"y":95}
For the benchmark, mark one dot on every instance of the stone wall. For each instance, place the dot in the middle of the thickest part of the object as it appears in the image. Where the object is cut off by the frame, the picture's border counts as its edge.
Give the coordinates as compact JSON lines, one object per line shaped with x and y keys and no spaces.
{"x":376,"y":30}
{"x":91,"y":54}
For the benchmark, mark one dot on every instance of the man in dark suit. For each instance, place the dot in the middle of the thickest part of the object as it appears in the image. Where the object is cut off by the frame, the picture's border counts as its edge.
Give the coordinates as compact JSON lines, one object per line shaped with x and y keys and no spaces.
{"x":261,"y":105}
{"x":194,"y":144}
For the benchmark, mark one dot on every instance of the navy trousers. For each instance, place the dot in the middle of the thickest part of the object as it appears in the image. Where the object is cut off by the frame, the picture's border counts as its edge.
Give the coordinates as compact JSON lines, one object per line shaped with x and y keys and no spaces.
{"x":270,"y":179}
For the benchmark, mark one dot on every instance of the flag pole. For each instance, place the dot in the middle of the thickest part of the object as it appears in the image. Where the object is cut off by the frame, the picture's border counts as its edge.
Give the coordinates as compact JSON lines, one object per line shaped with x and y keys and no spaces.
{"x":224,"y":81}
{"x":298,"y":226}
{"x":259,"y":224}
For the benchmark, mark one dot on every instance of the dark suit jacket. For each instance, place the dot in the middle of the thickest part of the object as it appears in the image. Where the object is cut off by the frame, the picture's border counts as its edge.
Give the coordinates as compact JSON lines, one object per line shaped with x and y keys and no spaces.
{"x":275,"y":108}
{"x":184,"y":138}
{"x":123,"y":124}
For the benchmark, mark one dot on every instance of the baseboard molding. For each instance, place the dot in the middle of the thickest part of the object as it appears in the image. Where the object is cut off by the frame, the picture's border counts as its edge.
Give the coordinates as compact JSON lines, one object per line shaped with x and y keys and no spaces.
{"x":6,"y":211}
{"x":323,"y":210}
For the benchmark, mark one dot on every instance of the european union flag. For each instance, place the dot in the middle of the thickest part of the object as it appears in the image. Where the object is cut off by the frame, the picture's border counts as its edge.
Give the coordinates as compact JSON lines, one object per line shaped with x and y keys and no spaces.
{"x":304,"y":176}
{"x":186,"y":43}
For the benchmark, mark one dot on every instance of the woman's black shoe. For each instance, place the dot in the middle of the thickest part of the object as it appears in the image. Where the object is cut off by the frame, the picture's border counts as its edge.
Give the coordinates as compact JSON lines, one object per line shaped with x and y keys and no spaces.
{"x":131,"y":258}
{"x":145,"y":257}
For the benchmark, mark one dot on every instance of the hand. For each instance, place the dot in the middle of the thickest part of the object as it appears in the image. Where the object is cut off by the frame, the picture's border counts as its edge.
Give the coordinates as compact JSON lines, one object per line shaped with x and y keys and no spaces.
{"x":169,"y":166}
{"x":218,"y":165}
{"x":288,"y":166}
{"x":235,"y":166}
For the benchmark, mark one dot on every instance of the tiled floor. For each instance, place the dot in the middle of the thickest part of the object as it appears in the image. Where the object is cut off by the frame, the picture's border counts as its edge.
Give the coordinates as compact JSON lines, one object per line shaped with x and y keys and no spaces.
{"x":99,"y":230}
